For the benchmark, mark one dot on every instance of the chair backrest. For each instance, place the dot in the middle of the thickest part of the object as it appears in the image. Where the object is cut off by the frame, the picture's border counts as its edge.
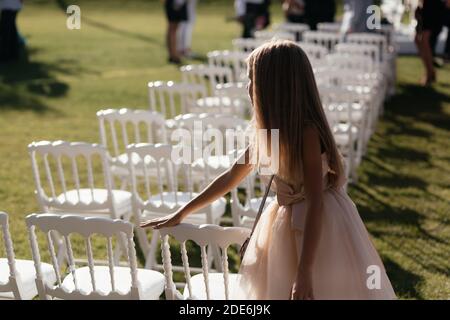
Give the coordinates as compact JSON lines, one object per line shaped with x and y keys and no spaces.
{"x":236,"y":60}
{"x":356,"y":49}
{"x":238,"y":94}
{"x":161,"y":180}
{"x":296,"y":29}
{"x":357,"y":63}
{"x":247,"y":44}
{"x":127,"y":126}
{"x":244,"y":212}
{"x":12,"y":285}
{"x":379,"y":40}
{"x":333,"y":98}
{"x":326,"y":39}
{"x":73,"y":164}
{"x":170,"y":98}
{"x":332,"y":27}
{"x":87,"y":227}
{"x":314,"y":51}
{"x":208,"y":76}
{"x":272,"y":35}
{"x":204,"y":236}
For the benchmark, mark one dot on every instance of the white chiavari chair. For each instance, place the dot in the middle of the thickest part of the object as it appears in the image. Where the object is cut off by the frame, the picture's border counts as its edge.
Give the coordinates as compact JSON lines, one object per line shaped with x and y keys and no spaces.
{"x":267,"y":35}
{"x":332,"y":27}
{"x":236,"y":60}
{"x":246,"y":44}
{"x":296,"y":29}
{"x":244,"y":211}
{"x":127,"y":126}
{"x":327,"y":39}
{"x":209,"y":284}
{"x":17,"y":276}
{"x":165,"y":193}
{"x":171,"y":99}
{"x":92,"y":282}
{"x":69,"y":183}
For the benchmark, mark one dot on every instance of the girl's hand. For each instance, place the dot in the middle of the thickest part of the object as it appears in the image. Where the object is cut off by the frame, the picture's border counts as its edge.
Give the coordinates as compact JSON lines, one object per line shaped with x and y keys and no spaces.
{"x":302,"y":288}
{"x":163,"y":222}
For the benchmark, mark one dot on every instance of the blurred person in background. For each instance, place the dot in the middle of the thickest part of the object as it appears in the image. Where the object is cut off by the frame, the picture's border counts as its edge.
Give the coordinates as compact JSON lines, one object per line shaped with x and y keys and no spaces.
{"x":429,"y":16}
{"x":356,"y":16}
{"x":294,"y":11}
{"x":9,"y":36}
{"x":317,"y":11}
{"x":253,"y":15}
{"x":185,"y":30}
{"x":446,"y":55}
{"x":176,"y":12}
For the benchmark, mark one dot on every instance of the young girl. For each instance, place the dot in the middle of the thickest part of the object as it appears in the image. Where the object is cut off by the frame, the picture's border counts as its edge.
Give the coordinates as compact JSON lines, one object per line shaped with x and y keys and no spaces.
{"x":310,"y":243}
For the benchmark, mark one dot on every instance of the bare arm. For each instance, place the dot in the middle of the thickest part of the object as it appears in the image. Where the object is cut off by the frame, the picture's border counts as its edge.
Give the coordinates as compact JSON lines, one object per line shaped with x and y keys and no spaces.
{"x":220,"y":186}
{"x":312,"y":173}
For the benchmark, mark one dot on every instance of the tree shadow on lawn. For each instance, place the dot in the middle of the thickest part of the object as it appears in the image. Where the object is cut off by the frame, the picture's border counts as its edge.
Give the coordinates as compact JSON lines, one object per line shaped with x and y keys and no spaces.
{"x":105,"y":27}
{"x":25,"y":82}
{"x":405,"y":283}
{"x":417,"y":104}
{"x":391,"y":185}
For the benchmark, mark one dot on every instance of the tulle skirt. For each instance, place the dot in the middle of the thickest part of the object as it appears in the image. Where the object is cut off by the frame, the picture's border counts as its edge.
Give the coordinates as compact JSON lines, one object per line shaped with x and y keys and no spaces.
{"x":346,"y":265}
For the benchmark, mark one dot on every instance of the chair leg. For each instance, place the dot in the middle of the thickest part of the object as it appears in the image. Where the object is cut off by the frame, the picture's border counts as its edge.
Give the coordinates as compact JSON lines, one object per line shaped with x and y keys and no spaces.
{"x":121,"y":248}
{"x":142,"y":238}
{"x":150,"y":258}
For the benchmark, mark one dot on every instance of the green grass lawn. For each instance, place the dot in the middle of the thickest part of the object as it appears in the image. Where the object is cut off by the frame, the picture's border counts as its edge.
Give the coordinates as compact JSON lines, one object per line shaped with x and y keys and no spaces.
{"x":404,"y":190}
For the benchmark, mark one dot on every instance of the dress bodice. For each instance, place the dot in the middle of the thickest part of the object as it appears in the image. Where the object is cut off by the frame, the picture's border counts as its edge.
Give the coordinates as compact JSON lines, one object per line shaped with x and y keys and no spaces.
{"x":287,"y":194}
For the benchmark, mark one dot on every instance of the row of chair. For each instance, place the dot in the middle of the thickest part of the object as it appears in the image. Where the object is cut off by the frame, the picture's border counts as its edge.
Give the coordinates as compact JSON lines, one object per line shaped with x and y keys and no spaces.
{"x":136,"y":149}
{"x":26,"y":279}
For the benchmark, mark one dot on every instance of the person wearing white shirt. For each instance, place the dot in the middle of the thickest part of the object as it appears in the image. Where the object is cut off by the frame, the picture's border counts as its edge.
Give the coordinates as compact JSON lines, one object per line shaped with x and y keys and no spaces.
{"x":253,"y":14}
{"x":9,"y":37}
{"x":176,"y":12}
{"x":186,"y":28}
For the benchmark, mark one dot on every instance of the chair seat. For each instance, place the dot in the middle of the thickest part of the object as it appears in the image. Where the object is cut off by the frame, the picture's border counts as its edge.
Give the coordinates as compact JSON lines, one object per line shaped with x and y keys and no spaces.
{"x":341,"y":134}
{"x":199,"y":217}
{"x":216,"y":286}
{"x":151,"y":282}
{"x":216,"y":164}
{"x":219,"y":104}
{"x":121,"y":167}
{"x":122,"y":199}
{"x":27,"y":273}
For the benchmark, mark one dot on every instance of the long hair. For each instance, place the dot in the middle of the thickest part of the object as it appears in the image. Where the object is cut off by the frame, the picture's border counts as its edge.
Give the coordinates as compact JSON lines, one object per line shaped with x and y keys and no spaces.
{"x":285,"y":97}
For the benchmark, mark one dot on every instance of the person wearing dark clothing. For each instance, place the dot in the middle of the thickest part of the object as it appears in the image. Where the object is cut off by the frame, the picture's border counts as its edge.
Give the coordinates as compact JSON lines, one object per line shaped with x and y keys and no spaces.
{"x":9,"y":36}
{"x":429,"y":17}
{"x":294,"y":10}
{"x":253,"y":14}
{"x":317,"y":11}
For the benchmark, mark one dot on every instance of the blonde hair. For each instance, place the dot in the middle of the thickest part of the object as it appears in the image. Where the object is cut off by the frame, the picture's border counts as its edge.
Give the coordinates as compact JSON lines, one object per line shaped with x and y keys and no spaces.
{"x":285,"y":97}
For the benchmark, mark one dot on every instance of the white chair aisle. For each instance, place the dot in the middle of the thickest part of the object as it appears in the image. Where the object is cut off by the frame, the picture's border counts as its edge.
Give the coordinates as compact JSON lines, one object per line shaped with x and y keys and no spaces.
{"x":165,"y":193}
{"x":91,"y":282}
{"x":171,"y":99}
{"x":17,"y":276}
{"x":205,"y":285}
{"x":87,"y":196}
{"x":127,"y":126}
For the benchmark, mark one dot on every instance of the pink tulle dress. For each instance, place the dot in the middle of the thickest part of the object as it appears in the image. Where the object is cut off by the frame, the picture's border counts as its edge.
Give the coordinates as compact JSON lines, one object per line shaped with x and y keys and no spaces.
{"x":346,"y":265}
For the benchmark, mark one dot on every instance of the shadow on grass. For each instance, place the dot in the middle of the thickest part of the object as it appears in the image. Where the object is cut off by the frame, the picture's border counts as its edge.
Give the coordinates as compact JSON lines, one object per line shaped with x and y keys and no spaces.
{"x":62,"y":4}
{"x":24,"y":83}
{"x":392,"y":190}
{"x":405,"y":283}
